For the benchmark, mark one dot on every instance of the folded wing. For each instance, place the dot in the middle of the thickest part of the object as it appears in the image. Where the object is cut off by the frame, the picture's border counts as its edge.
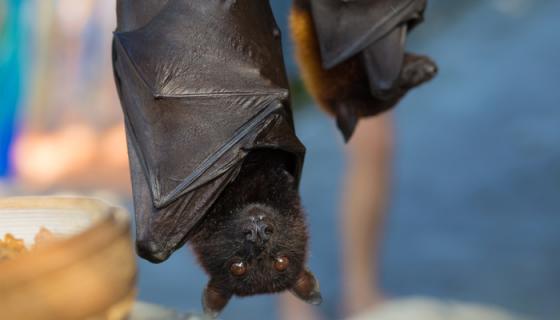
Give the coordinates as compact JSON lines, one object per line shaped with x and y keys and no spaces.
{"x":200,"y":85}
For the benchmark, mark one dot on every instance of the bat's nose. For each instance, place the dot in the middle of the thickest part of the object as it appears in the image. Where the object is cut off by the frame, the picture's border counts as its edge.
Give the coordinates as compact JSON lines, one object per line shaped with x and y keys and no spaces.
{"x":259,"y":232}
{"x":264,"y":231}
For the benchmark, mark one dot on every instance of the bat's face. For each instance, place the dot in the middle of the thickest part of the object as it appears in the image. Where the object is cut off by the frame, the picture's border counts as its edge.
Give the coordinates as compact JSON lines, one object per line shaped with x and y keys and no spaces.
{"x":257,"y":249}
{"x":255,"y":240}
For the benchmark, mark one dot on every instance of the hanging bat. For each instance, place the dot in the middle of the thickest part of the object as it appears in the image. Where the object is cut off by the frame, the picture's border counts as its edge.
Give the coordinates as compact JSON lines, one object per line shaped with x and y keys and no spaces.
{"x":214,"y":158}
{"x":351,"y":55}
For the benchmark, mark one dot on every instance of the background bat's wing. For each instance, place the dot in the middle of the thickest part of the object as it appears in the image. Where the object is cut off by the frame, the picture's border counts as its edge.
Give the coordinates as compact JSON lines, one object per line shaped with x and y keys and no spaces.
{"x":200,"y":85}
{"x":346,"y":27}
{"x":383,"y":60}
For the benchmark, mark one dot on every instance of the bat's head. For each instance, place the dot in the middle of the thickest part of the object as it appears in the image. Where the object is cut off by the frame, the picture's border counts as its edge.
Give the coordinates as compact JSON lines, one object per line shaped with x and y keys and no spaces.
{"x":255,"y":239}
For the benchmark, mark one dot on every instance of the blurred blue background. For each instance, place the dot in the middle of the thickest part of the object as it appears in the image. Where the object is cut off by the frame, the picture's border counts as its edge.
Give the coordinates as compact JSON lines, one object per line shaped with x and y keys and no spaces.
{"x":475,"y":211}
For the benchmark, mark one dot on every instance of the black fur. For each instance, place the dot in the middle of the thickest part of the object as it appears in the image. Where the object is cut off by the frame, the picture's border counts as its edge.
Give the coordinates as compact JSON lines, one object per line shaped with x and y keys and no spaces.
{"x":264,"y":187}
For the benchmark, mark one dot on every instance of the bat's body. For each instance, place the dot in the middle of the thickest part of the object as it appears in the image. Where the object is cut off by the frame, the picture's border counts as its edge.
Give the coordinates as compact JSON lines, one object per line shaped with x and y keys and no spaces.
{"x":257,"y":222}
{"x":215,"y":162}
{"x":354,"y":66}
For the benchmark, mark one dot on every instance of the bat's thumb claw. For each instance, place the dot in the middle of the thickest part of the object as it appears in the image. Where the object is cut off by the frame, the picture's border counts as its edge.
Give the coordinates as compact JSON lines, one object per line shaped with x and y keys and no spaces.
{"x":417,"y":70}
{"x":151,"y":251}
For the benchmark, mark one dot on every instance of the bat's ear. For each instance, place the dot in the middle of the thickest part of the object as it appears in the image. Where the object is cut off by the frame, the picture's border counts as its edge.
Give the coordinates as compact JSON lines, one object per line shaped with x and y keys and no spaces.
{"x":346,"y":121}
{"x":214,"y":300}
{"x":307,"y":288}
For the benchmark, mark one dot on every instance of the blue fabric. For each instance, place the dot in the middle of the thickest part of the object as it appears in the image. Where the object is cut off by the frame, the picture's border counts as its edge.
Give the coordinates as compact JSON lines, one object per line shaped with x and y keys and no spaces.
{"x":11,"y":75}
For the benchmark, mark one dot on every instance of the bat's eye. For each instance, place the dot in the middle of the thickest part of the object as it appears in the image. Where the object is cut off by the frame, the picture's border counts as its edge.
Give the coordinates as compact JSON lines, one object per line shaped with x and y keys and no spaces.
{"x":238,"y":268}
{"x":281,"y":263}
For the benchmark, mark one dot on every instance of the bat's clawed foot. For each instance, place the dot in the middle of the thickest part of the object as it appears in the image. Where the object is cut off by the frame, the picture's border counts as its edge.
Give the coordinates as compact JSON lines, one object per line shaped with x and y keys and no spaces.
{"x":417,"y":70}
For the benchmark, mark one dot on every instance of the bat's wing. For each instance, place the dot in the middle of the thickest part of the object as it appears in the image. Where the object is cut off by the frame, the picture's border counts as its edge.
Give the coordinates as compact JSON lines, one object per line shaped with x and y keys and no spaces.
{"x":133,"y":14}
{"x":383,"y":60}
{"x":376,"y":28}
{"x":200,"y":84}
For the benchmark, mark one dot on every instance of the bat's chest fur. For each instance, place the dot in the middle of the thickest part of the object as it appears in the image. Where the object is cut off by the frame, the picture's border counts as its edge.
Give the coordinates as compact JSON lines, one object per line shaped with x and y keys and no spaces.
{"x":264,"y":180}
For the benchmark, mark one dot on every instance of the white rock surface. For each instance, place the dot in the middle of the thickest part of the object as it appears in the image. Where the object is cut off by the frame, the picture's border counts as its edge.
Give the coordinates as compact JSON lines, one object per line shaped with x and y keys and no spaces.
{"x":147,"y":311}
{"x":431,"y":309}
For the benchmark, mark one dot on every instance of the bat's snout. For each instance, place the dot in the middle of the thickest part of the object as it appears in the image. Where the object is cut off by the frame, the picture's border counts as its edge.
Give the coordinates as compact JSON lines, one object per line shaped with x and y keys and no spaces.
{"x":258,"y":232}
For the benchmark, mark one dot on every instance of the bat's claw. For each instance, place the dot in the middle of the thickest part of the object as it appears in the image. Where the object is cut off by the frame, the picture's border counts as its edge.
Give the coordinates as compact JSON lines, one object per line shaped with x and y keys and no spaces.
{"x":417,"y":70}
{"x":150,"y":251}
